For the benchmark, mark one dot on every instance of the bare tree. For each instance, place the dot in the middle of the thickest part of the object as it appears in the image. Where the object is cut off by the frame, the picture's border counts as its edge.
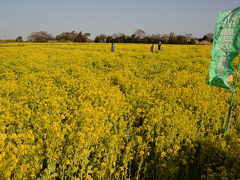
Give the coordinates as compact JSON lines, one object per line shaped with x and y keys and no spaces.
{"x":73,"y":36}
{"x":165,"y":38}
{"x":41,"y":36}
{"x":156,"y":36}
{"x":102,"y":37}
{"x":188,"y":36}
{"x":116,"y":35}
{"x":140,"y":33}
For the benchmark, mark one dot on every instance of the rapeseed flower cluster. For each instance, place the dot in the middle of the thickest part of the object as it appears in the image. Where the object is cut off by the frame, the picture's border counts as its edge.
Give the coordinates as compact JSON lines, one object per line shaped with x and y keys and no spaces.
{"x":78,"y":111}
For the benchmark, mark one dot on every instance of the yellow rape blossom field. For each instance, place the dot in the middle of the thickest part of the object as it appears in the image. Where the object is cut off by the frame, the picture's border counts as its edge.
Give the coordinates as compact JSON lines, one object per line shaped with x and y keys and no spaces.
{"x":78,"y":111}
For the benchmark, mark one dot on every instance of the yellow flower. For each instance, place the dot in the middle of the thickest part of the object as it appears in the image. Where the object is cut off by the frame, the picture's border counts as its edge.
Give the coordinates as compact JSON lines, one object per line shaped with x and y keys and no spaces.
{"x":111,"y":171}
{"x":100,"y":111}
{"x":103,"y":164}
{"x":169,"y":151}
{"x":139,"y":139}
{"x":163,"y":154}
{"x":184,"y":162}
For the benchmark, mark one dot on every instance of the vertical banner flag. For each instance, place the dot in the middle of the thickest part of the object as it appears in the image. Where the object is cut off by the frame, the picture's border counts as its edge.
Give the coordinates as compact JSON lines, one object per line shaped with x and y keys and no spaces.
{"x":226,"y":46}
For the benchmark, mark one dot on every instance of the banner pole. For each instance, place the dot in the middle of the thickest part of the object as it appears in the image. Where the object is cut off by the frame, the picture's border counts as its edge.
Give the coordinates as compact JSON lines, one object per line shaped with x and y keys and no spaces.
{"x":230,"y":108}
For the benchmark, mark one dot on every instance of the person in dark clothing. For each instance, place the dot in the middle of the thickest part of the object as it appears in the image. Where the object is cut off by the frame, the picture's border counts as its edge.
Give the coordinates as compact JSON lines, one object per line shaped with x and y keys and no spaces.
{"x":113,"y":48}
{"x":159,"y":46}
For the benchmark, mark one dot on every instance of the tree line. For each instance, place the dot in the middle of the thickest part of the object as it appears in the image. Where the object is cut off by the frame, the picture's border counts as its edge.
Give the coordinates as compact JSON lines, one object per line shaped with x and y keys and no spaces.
{"x":43,"y":36}
{"x":139,"y":36}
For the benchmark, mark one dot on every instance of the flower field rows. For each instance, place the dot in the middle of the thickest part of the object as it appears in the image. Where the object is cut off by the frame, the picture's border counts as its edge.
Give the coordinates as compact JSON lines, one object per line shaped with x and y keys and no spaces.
{"x":79,"y":111}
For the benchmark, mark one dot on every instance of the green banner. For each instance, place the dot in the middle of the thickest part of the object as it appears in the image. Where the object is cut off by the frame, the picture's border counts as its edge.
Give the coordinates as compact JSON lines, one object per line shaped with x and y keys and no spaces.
{"x":226,"y":46}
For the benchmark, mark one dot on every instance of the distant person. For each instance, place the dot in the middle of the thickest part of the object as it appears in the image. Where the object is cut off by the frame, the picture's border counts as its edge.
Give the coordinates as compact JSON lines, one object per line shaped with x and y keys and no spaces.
{"x":113,"y":48}
{"x":159,"y":46}
{"x":153,"y":47}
